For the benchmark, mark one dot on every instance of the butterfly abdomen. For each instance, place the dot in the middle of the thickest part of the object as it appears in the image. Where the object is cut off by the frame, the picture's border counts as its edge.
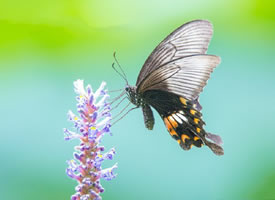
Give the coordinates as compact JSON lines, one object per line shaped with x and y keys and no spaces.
{"x":148,"y":116}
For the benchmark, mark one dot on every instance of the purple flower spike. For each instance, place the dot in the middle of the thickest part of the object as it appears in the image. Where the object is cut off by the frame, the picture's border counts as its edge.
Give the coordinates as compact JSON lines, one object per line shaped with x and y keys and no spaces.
{"x":91,"y":124}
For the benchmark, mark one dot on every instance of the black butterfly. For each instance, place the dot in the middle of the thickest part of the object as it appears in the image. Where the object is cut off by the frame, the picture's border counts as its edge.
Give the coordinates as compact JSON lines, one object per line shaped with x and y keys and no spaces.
{"x":171,"y":80}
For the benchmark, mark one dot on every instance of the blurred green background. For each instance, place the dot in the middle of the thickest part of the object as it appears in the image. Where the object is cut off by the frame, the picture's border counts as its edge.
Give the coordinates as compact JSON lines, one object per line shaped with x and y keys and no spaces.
{"x":46,"y":45}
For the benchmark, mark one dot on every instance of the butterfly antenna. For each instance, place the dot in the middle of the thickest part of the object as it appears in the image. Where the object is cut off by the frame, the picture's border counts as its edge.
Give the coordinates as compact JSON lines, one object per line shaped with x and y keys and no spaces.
{"x":120,"y":67}
{"x":113,"y":66}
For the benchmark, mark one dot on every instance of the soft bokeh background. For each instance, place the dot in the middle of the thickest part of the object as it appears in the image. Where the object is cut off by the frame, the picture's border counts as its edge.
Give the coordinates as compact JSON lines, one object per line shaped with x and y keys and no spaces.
{"x":46,"y":45}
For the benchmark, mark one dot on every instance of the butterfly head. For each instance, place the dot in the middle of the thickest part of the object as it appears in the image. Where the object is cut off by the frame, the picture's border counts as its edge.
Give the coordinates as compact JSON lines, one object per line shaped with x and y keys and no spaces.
{"x":132,"y":95}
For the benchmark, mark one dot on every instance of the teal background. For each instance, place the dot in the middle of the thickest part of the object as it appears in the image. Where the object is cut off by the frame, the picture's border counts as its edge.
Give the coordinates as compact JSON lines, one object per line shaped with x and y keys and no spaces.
{"x":46,"y":45}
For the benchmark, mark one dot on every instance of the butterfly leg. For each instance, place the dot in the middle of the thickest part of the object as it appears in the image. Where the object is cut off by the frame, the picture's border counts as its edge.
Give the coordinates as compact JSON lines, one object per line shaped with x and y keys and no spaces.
{"x":113,"y":123}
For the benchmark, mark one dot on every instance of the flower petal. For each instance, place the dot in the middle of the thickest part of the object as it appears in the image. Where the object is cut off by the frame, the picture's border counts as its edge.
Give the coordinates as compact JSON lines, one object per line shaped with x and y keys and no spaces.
{"x":108,"y":174}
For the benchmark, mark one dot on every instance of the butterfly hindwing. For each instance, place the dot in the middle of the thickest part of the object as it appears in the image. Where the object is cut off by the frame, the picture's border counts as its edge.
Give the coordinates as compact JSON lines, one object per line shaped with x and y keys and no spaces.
{"x":180,"y":130}
{"x":181,"y":118}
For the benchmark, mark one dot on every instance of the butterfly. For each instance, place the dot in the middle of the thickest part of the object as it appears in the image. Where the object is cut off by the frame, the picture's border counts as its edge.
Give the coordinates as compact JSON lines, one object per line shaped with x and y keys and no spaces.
{"x":171,"y":80}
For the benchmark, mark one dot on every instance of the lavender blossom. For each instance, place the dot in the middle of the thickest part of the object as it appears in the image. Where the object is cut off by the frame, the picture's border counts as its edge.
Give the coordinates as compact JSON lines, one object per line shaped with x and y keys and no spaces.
{"x":91,"y":124}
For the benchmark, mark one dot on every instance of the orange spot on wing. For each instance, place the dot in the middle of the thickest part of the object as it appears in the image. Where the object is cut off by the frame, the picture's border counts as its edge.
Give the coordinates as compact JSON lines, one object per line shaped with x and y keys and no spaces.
{"x":196,"y":120}
{"x":169,"y":127}
{"x":167,"y":124}
{"x":193,"y":112}
{"x":183,"y":137}
{"x":172,"y":121}
{"x":179,"y":141}
{"x":183,"y":101}
{"x":173,"y":132}
{"x":198,"y":130}
{"x":196,"y":138}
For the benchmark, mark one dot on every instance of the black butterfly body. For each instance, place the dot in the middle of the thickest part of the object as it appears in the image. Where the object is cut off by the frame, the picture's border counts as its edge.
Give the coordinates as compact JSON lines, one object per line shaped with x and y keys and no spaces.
{"x":171,"y":80}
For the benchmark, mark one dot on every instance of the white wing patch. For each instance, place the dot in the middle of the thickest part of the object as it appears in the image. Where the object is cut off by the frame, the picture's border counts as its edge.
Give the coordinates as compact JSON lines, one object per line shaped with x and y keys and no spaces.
{"x":180,"y":114}
{"x":177,"y":118}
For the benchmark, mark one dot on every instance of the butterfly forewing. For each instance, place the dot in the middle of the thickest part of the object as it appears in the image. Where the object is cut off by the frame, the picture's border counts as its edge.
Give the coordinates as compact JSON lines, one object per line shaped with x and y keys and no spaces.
{"x":189,"y":39}
{"x":185,"y":77}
